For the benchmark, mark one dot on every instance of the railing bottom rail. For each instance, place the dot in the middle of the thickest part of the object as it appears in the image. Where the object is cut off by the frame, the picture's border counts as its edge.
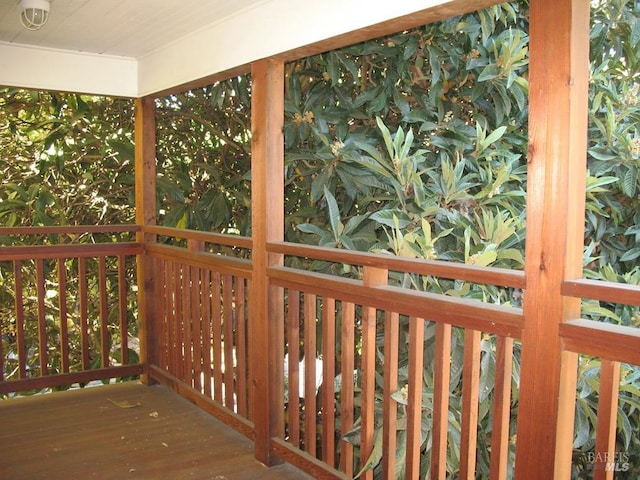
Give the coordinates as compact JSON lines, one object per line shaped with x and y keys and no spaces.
{"x":63,"y":379}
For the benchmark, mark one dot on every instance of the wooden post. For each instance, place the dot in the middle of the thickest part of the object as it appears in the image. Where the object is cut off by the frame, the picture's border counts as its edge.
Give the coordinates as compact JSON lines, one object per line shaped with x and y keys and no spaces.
{"x":266,"y":319}
{"x":372,"y":277}
{"x":145,"y":185}
{"x":559,"y":75}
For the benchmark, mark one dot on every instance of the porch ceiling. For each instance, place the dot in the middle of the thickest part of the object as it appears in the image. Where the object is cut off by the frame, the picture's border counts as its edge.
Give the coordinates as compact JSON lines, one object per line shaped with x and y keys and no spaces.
{"x":123,"y":28}
{"x":136,"y":48}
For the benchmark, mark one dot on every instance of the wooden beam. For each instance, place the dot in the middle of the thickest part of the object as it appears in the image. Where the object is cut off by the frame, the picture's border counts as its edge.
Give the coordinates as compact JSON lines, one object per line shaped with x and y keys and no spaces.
{"x":605,"y":340}
{"x":266,"y":304}
{"x":559,"y":75}
{"x":145,"y":185}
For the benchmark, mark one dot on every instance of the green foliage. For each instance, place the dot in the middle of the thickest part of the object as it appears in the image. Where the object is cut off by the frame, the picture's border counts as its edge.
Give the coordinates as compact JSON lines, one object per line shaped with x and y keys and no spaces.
{"x":203,"y":153}
{"x":68,"y":159}
{"x":614,"y":148}
{"x":413,"y":144}
{"x":404,"y":132}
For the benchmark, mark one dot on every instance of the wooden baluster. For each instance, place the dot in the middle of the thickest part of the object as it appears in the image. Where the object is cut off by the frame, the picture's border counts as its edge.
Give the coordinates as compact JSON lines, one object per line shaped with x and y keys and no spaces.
{"x":42,"y":324}
{"x":227,"y":312}
{"x":470,"y":397}
{"x":348,"y":385}
{"x":172,"y":316}
{"x":163,"y":292}
{"x":20,"y":339}
{"x":64,"y":315}
{"x":187,"y":334}
{"x":193,"y":346}
{"x":441,"y":382}
{"x":606,"y":458}
{"x":196,"y":335}
{"x":328,"y":375}
{"x":566,"y":414}
{"x":84,"y":313}
{"x":310,"y":355}
{"x":502,"y":409}
{"x":241,"y":346}
{"x":104,"y":314}
{"x":122,"y":309}
{"x":390,"y":406}
{"x":178,"y":354}
{"x":216,"y":307}
{"x":414,"y":399}
{"x":293,"y":367}
{"x":206,"y":331}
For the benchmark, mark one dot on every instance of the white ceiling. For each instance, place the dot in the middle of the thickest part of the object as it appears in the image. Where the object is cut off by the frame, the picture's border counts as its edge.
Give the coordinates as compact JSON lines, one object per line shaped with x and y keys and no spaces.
{"x":127,"y":28}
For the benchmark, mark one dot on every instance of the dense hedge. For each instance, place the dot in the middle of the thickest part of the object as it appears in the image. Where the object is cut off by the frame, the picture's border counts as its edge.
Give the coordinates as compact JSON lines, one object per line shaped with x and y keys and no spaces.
{"x":413,"y":144}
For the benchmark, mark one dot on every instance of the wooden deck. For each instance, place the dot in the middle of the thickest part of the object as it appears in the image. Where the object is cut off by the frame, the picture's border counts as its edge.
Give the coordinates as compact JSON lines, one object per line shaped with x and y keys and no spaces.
{"x":123,"y":431}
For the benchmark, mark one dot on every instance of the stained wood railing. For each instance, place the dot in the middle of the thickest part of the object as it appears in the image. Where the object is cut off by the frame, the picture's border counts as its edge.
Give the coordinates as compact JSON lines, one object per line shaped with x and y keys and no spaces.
{"x":373,"y":373}
{"x":612,"y":345}
{"x":352,"y":401}
{"x":67,"y":309}
{"x":200,"y":315}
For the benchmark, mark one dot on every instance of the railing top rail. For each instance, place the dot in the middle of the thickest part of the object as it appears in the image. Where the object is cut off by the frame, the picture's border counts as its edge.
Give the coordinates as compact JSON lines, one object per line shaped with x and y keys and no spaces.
{"x":614,"y":342}
{"x":75,"y":229}
{"x":601,"y":290}
{"x":462,"y":312}
{"x":458,"y":271}
{"x":34,"y":252}
{"x":208,"y":237}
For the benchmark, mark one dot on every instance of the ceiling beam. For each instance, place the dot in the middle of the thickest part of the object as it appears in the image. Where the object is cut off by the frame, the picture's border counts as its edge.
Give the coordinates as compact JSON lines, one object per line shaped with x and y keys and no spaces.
{"x":61,"y":70}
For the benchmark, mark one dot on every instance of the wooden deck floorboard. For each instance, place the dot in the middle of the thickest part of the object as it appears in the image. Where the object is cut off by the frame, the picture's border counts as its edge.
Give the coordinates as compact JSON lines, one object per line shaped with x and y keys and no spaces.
{"x":87,"y":433}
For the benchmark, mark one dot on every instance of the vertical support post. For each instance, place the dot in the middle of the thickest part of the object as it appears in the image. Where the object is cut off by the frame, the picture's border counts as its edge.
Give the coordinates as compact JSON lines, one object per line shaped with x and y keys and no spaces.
{"x":145,"y":185}
{"x":558,"y":106}
{"x":372,"y":277}
{"x":266,"y":305}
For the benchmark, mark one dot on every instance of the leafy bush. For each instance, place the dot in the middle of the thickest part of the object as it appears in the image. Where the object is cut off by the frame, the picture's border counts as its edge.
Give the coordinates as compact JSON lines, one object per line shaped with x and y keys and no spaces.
{"x":412,"y":144}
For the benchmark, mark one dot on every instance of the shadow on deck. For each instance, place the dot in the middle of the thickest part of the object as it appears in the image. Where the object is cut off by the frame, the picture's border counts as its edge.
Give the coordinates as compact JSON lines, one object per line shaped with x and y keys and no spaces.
{"x":119,"y":431}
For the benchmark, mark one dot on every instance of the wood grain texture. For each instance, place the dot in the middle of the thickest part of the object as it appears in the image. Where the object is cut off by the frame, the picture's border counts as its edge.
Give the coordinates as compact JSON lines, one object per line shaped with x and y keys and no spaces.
{"x":607,"y":421}
{"x":88,"y":434}
{"x":556,"y":176}
{"x":145,"y":202}
{"x":501,"y":409}
{"x":266,"y":306}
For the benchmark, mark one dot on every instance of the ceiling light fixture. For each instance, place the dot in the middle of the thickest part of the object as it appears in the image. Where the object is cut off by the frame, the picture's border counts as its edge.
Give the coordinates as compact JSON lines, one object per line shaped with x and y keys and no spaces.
{"x":33,"y":13}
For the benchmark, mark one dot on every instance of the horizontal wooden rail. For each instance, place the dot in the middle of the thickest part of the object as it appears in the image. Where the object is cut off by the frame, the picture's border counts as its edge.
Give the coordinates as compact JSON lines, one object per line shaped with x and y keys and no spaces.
{"x":73,"y":229}
{"x":51,"y":381}
{"x":306,"y":462}
{"x":85,"y":250}
{"x":222,"y":264}
{"x":604,"y":291}
{"x":222,"y":413}
{"x":458,"y":271}
{"x":208,"y":237}
{"x":612,"y":342}
{"x":489,"y":318}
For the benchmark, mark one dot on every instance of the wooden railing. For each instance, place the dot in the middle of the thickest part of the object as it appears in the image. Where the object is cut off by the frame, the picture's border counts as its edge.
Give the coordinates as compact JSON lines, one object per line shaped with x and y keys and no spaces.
{"x":611,"y":346}
{"x":68,"y":295}
{"x":352,"y":401}
{"x":375,"y":377}
{"x":341,"y":403}
{"x":200,"y":316}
